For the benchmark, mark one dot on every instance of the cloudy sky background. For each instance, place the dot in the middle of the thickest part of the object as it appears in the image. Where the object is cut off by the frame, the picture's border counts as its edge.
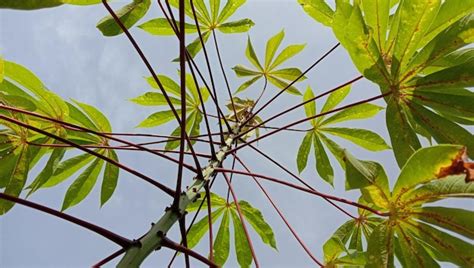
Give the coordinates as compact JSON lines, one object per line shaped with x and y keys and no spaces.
{"x":62,"y":46}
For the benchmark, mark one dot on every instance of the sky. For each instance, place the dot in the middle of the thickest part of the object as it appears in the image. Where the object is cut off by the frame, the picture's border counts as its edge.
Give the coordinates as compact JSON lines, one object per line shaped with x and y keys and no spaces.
{"x":72,"y":58}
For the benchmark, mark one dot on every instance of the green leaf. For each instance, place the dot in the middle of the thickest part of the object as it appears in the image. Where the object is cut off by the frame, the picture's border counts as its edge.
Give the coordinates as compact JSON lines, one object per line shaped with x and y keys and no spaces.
{"x":81,"y":2}
{"x":380,"y":247}
{"x":335,"y":245}
{"x":290,"y":74}
{"x":222,"y":242}
{"x":425,"y":165}
{"x":47,"y":172}
{"x":174,"y":143}
{"x":413,"y":253}
{"x":455,"y":102}
{"x":216,"y":202}
{"x":416,"y":17}
{"x":29,"y":4}
{"x":258,"y":223}
{"x":67,"y":168}
{"x":303,"y":151}
{"x":158,"y":119}
{"x":251,"y":56}
{"x":362,"y":111}
{"x":453,"y":38}
{"x":168,"y":84}
{"x":451,"y":248}
{"x":282,"y":85}
{"x":230,"y":7}
{"x":80,"y":118}
{"x":215,"y":6}
{"x":8,"y":158}
{"x":16,"y":177}
{"x":370,"y":177}
{"x":242,"y":249}
{"x":450,"y":12}
{"x":195,"y":46}
{"x":287,"y":53}
{"x":403,"y":137}
{"x":200,"y":228}
{"x":82,"y":186}
{"x":318,"y":10}
{"x":154,"y":99}
{"x":242,"y":71}
{"x":272,"y":46}
{"x":323,"y":165}
{"x":335,"y":149}
{"x":128,"y":15}
{"x":109,"y":181}
{"x":356,"y":38}
{"x":99,"y":119}
{"x":161,"y":26}
{"x":459,"y":76}
{"x":333,"y":100}
{"x":457,"y":220}
{"x":362,"y":137}
{"x":53,"y":105}
{"x":239,"y":26}
{"x":247,"y":84}
{"x":442,"y":130}
{"x":449,"y":187}
{"x":310,"y":107}
{"x":376,"y":15}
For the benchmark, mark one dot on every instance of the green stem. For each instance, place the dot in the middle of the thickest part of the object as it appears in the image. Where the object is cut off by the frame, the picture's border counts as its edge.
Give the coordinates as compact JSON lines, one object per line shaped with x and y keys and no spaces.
{"x":153,"y":240}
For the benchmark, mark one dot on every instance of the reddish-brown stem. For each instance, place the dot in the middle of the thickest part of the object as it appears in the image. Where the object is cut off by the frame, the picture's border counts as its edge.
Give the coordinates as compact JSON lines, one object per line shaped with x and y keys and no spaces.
{"x":103,"y":157}
{"x":125,"y":148}
{"x":184,"y":239}
{"x":155,"y":78}
{"x":309,"y":118}
{"x":221,"y":64}
{"x":293,"y":82}
{"x":300,"y":241}
{"x":209,"y":222}
{"x":304,"y":189}
{"x":83,"y":129}
{"x":175,"y":246}
{"x":109,"y":258}
{"x":121,"y":241}
{"x":242,"y":219}
{"x":301,"y":104}
{"x":182,"y":74}
{"x":297,"y":178}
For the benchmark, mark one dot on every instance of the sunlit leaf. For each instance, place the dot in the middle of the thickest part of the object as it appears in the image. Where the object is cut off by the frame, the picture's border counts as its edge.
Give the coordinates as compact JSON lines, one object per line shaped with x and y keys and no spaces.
{"x":110,"y":178}
{"x":161,"y":26}
{"x":242,"y":249}
{"x":128,"y":15}
{"x":303,"y":151}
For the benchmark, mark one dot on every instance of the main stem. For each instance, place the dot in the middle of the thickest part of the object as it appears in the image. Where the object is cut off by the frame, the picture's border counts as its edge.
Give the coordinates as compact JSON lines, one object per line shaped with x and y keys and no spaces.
{"x":153,"y":240}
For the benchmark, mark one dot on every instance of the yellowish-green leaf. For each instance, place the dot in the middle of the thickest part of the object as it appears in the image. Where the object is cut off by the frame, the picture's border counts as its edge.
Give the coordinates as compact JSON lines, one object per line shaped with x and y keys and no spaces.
{"x":272,"y":46}
{"x":161,"y":26}
{"x":128,"y":15}
{"x":110,"y":179}
{"x":239,"y":26}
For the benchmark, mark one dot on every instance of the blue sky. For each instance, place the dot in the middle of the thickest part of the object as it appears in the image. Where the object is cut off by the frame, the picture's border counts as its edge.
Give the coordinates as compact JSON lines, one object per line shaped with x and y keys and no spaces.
{"x":73,"y":59}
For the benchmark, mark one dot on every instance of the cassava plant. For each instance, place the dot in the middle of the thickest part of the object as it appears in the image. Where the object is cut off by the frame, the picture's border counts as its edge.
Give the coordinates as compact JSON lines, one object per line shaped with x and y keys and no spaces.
{"x":418,"y":52}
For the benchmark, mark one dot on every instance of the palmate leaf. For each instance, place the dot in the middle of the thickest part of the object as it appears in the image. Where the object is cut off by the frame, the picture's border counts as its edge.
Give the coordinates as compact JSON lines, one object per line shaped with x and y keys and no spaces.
{"x":228,"y":212}
{"x":209,"y":19}
{"x":26,"y":88}
{"x":413,"y":42}
{"x":317,"y":136}
{"x":281,"y":78}
{"x":408,"y":231}
{"x":128,"y":15}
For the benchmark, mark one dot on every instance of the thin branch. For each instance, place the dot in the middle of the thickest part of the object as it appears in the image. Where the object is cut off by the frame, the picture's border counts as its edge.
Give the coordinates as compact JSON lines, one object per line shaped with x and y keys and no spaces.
{"x":209,"y":222}
{"x":184,"y":239}
{"x":109,"y":258}
{"x":309,"y":118}
{"x":298,"y":178}
{"x":83,"y":129}
{"x":302,"y":104}
{"x":119,"y":240}
{"x":236,"y":202}
{"x":300,"y":241}
{"x":304,"y":189}
{"x":155,"y":78}
{"x":103,"y":157}
{"x":175,"y":246}
{"x":294,"y":81}
{"x":223,"y":71}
